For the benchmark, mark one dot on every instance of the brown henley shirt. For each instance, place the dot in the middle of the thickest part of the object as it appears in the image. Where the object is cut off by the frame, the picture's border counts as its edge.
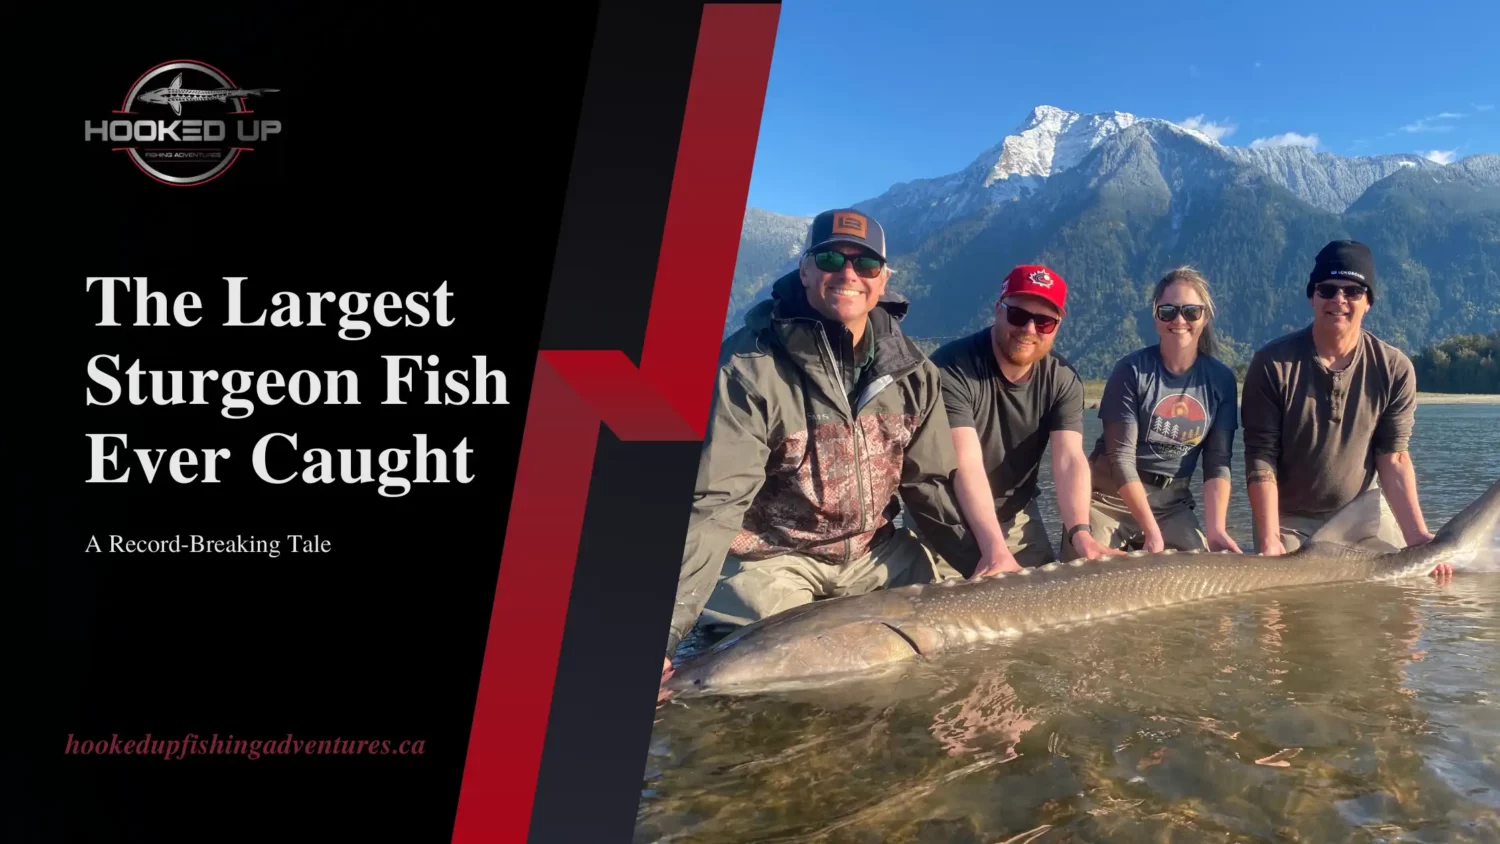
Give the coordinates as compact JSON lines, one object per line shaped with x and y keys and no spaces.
{"x":1316,"y":432}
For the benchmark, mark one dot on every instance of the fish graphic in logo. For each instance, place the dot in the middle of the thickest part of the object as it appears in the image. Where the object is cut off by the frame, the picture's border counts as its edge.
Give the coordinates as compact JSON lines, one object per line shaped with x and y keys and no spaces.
{"x":1178,"y":423}
{"x":184,"y":123}
{"x":175,"y":95}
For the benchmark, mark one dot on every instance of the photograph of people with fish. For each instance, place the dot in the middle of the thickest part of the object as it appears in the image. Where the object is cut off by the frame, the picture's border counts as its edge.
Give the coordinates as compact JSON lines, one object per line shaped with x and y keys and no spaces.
{"x":1105,"y":442}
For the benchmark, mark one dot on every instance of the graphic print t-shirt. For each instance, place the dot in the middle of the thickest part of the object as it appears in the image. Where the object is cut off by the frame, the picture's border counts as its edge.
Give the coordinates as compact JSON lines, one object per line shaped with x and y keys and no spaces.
{"x":1172,"y":413}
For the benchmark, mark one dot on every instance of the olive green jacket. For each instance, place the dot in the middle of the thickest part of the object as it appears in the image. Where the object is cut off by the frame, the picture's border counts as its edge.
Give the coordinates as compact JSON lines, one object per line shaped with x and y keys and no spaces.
{"x":792,"y":466}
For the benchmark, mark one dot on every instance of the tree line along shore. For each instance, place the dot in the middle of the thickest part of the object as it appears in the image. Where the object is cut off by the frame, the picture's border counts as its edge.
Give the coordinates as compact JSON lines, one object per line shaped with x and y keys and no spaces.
{"x":1093,"y":391}
{"x":1459,"y":370}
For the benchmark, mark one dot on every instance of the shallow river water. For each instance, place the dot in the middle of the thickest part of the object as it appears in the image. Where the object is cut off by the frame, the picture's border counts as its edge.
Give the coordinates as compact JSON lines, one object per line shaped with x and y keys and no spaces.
{"x":1365,"y":712}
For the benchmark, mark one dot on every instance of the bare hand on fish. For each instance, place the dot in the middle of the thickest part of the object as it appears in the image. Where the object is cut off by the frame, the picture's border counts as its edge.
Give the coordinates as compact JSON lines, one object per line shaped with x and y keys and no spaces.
{"x":993,"y":563}
{"x":1221,"y":541}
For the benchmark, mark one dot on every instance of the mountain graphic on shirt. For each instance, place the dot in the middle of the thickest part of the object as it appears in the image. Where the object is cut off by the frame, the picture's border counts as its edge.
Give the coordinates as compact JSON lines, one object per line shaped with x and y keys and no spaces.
{"x":1178,"y":423}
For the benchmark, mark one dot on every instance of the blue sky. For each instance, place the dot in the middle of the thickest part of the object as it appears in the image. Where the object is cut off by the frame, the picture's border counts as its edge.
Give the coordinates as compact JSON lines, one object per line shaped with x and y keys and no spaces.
{"x":867,"y":93}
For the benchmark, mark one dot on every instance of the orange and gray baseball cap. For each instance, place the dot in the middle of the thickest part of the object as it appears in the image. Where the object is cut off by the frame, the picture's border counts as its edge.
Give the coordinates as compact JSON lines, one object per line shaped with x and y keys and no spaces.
{"x":846,"y":225}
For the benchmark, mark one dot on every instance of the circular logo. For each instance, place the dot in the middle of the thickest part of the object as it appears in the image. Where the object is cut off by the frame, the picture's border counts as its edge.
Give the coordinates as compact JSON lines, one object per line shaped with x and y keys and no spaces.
{"x":1178,"y":423}
{"x":185,"y":123}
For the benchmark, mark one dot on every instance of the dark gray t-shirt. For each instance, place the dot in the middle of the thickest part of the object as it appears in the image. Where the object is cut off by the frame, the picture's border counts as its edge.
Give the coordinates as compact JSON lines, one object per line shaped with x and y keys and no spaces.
{"x":1013,"y":421}
{"x":1162,"y":423}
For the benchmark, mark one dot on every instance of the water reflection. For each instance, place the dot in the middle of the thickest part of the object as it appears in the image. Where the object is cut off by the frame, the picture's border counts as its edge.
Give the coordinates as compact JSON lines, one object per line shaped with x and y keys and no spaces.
{"x":987,"y":719}
{"x":1340,"y":713}
{"x":1366,"y":713}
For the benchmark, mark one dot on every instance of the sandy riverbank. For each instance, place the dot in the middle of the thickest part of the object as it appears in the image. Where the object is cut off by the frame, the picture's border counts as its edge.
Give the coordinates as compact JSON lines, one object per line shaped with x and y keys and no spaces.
{"x":1458,"y":398}
{"x":1094,"y":390}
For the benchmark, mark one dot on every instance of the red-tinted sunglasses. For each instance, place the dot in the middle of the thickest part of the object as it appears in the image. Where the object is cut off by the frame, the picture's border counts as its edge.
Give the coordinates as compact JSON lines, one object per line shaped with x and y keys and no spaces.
{"x":1020,"y":316}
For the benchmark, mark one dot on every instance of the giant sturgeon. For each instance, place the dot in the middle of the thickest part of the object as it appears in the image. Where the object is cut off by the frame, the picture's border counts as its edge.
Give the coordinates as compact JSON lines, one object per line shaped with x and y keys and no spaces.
{"x":856,"y":635}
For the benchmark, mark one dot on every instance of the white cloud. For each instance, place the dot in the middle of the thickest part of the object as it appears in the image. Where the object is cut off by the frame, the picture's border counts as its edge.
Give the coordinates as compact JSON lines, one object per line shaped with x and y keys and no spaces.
{"x":1431,"y":124}
{"x":1290,"y":139}
{"x":1440,"y":156}
{"x":1425,"y":125}
{"x":1217,"y":131}
{"x":1490,"y":107}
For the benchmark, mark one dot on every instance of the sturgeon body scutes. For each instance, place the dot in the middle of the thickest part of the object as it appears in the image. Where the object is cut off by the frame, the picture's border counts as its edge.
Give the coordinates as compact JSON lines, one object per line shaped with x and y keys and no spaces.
{"x":826,"y":640}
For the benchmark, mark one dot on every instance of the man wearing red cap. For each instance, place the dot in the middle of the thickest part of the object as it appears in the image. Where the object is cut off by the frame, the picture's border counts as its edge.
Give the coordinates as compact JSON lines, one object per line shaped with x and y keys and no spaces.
{"x":1008,"y":397}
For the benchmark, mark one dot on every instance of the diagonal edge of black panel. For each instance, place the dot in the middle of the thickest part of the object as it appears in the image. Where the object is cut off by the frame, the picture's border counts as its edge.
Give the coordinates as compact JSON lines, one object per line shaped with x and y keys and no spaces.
{"x":609,"y":666}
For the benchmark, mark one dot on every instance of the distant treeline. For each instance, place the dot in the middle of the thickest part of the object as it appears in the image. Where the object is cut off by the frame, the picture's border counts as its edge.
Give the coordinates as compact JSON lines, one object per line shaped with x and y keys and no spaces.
{"x":1468,"y":363}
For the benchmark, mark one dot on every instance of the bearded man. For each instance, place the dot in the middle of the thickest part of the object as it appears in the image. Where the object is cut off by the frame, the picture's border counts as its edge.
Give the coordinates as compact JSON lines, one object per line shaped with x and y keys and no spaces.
{"x":1008,"y":397}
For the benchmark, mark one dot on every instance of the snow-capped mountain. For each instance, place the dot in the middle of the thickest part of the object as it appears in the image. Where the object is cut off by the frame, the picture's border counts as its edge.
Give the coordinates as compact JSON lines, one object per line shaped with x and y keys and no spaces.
{"x":1111,"y":200}
{"x":1322,"y":179}
{"x":1052,"y":140}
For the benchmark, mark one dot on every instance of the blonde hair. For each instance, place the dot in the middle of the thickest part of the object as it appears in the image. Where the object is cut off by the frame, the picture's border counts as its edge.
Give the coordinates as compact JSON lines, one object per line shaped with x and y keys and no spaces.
{"x":1207,"y":345}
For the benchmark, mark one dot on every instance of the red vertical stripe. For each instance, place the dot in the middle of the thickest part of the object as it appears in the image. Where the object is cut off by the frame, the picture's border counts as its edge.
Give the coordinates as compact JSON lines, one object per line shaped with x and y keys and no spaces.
{"x":531,"y":605}
{"x":668,"y":398}
{"x":706,"y":211}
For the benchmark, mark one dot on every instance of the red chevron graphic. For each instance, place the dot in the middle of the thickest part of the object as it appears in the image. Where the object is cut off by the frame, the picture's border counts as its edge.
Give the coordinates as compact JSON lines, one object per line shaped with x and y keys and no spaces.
{"x":667,"y":398}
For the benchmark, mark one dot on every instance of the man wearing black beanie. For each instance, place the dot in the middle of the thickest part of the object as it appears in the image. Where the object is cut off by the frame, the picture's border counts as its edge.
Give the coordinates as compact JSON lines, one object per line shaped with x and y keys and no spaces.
{"x":1344,"y":261}
{"x":1327,"y":413}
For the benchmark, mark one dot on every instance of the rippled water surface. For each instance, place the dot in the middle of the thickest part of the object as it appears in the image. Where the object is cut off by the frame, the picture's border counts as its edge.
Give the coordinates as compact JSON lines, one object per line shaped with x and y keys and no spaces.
{"x":1366,"y":712}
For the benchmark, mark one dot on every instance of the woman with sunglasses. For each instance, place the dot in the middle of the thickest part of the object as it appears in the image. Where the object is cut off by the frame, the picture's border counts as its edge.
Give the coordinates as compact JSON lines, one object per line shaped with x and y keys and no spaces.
{"x":1165,"y":408}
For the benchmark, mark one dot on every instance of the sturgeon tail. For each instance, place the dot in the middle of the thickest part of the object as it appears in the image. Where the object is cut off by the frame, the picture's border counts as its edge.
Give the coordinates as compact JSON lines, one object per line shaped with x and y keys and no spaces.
{"x":1475,"y":532}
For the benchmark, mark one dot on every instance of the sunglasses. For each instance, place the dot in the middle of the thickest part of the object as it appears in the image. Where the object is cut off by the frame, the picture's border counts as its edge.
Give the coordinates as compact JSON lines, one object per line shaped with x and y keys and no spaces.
{"x":1352,"y":292}
{"x":833,"y":262}
{"x":1191,"y":313}
{"x":1020,"y":316}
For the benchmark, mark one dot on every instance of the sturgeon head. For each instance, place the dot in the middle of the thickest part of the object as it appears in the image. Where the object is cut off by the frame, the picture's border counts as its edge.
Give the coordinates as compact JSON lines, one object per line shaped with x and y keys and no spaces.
{"x":806,"y":645}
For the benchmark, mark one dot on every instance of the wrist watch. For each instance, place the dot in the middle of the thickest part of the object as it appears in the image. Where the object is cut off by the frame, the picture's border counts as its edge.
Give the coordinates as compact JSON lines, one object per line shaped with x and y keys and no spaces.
{"x":1076,"y":528}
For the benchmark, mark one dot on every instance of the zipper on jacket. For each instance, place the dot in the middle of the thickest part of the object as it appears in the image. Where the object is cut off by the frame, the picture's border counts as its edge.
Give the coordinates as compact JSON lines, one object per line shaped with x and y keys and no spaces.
{"x":854,"y":434}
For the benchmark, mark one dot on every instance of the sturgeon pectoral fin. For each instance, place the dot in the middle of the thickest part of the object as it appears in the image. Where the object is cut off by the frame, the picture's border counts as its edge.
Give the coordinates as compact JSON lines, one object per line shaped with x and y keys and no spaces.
{"x":176,"y":107}
{"x":1354,"y":523}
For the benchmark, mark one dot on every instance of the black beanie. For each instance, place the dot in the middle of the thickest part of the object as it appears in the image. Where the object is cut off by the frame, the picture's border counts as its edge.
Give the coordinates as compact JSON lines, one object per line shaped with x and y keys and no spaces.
{"x":1344,"y":259}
